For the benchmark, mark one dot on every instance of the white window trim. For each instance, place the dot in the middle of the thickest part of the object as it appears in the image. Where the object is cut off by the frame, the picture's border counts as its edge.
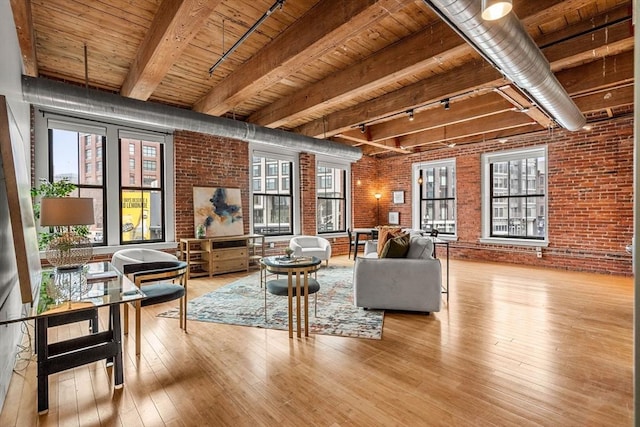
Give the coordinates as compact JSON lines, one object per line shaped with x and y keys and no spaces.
{"x":322,"y":161}
{"x":259,"y":150}
{"x":111,"y":179}
{"x":415,"y":195}
{"x":503,"y":156}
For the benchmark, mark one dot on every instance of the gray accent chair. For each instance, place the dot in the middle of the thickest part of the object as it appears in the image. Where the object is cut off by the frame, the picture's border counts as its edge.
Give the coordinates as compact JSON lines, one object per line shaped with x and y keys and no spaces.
{"x":413,"y":283}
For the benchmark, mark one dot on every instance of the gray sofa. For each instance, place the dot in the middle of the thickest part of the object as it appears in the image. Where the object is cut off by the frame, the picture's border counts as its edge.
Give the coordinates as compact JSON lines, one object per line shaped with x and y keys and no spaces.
{"x":412,"y":283}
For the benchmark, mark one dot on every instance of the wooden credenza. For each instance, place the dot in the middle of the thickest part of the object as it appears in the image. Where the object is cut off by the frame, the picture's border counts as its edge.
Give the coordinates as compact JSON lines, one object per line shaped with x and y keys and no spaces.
{"x":218,"y":255}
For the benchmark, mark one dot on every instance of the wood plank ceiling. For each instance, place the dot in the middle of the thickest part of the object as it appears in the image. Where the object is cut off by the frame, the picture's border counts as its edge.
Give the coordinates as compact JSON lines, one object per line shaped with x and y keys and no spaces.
{"x":347,"y":70}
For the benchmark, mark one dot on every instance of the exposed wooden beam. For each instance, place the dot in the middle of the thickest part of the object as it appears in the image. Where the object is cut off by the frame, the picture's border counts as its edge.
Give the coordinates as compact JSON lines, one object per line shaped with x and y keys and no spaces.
{"x":605,"y":99}
{"x":523,"y":104}
{"x":596,"y":75}
{"x":172,"y":29}
{"x":26,"y":37}
{"x":448,"y":134}
{"x":472,"y":76}
{"x":326,"y":24}
{"x":460,"y":111}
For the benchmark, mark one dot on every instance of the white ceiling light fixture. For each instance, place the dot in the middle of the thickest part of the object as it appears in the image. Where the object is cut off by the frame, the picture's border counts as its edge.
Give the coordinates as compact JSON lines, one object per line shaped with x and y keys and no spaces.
{"x":495,"y":9}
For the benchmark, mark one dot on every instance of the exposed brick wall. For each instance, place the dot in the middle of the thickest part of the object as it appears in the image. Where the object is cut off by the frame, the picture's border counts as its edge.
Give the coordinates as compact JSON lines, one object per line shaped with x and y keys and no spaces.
{"x":207,"y":161}
{"x":364,"y":184}
{"x":590,"y":190}
{"x":307,"y":194}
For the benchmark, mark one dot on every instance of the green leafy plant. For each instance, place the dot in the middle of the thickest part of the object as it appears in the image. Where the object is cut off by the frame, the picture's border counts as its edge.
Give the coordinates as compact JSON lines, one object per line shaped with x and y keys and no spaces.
{"x":60,"y":188}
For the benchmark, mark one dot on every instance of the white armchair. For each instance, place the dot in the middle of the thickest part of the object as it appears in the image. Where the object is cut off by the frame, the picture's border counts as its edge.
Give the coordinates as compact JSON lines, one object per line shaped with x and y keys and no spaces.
{"x":311,"y":246}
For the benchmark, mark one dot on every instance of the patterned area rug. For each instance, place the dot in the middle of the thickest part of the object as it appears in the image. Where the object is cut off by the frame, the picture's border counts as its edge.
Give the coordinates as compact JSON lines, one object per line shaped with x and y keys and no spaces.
{"x":242,"y":303}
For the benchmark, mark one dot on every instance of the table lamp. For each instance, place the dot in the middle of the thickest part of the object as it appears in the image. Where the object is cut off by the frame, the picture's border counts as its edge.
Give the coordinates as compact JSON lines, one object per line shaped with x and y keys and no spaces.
{"x":68,"y":250}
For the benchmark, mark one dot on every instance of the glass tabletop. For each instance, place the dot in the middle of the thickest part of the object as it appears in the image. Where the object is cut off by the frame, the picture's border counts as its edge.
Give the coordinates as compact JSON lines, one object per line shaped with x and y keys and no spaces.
{"x":291,"y":262}
{"x":93,"y":285}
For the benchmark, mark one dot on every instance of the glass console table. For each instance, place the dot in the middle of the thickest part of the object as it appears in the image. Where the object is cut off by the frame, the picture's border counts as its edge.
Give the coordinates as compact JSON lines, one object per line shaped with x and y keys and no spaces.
{"x":68,"y":296}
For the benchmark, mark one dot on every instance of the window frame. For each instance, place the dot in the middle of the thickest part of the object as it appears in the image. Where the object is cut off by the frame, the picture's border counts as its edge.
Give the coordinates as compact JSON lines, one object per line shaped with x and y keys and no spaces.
{"x":258,"y":150}
{"x":110,"y":178}
{"x":417,"y":198}
{"x":346,"y":199}
{"x":486,"y":182}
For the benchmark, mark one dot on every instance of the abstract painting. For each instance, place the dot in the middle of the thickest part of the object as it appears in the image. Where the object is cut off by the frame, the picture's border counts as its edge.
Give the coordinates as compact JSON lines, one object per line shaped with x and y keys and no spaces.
{"x":219,"y":210}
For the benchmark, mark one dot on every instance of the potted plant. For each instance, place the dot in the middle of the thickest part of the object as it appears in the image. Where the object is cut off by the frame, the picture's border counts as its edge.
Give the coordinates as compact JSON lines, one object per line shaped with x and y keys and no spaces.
{"x":288,"y":251}
{"x":200,"y":231}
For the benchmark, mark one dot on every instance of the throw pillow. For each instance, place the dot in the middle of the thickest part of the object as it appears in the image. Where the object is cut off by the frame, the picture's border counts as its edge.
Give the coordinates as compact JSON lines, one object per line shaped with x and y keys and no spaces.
{"x":420,"y":248}
{"x":384,"y":234}
{"x":396,"y":247}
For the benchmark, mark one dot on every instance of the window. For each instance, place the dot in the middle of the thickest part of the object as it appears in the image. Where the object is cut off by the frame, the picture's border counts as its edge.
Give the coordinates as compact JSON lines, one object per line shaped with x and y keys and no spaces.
{"x":514,"y":195}
{"x":132,"y":149}
{"x":142,"y":202}
{"x":148,"y":151}
{"x":65,"y":144}
{"x":272,"y":209}
{"x":149,"y":165}
{"x":129,"y":205}
{"x":436,"y":201}
{"x":332,"y":200}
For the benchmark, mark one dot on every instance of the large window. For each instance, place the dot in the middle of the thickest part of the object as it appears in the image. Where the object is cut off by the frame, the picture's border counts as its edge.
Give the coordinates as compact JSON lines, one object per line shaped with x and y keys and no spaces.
{"x":105,"y":162}
{"x":272,"y":197}
{"x":332,"y":200}
{"x":515,"y":194}
{"x":437,"y":196}
{"x":141,"y":202}
{"x":70,"y":158}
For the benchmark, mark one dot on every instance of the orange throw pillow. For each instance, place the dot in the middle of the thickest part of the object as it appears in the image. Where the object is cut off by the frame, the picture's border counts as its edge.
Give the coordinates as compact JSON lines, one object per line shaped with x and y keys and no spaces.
{"x":386,"y":233}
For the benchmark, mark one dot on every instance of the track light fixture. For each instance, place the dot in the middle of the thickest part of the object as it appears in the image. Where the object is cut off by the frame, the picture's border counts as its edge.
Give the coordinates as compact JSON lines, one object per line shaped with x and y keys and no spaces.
{"x":363,"y":127}
{"x":495,"y":9}
{"x":445,"y":103}
{"x":410,"y":113}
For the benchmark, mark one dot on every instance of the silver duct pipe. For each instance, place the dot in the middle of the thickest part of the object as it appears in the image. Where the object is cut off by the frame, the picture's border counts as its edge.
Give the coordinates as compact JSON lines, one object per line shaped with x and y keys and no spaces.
{"x":93,"y":103}
{"x":506,"y":44}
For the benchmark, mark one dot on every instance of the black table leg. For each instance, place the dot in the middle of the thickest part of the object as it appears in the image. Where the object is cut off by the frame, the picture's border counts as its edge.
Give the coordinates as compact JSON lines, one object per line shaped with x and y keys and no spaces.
{"x":118,"y":370}
{"x":43,"y":375}
{"x":355,"y":249}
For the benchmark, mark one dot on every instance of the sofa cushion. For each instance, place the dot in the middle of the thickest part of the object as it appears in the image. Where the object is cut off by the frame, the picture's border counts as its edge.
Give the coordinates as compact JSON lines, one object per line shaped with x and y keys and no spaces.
{"x":385,"y":233}
{"x":396,"y":247}
{"x":420,"y":248}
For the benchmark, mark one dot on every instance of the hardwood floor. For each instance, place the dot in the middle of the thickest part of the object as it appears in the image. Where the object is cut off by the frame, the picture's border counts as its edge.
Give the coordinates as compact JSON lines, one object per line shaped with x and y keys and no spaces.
{"x":515,"y":346}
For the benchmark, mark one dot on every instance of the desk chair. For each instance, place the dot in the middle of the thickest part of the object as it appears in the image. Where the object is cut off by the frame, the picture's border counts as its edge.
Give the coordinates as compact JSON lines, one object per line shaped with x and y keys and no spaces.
{"x":157,"y":280}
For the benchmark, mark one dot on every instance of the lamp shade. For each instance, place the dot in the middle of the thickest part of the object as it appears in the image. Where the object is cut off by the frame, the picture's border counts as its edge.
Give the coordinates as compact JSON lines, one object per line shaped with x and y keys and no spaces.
{"x":495,"y":9}
{"x":66,"y":211}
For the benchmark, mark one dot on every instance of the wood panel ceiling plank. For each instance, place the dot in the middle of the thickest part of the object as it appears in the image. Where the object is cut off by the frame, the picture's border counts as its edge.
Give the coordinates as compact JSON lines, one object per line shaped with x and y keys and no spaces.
{"x":612,"y":98}
{"x":26,"y":38}
{"x":173,"y":28}
{"x":312,"y":35}
{"x":596,"y":75}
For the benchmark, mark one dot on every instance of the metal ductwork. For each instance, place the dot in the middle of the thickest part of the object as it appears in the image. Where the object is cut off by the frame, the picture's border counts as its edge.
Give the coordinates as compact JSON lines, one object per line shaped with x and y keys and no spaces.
{"x":507,"y":46}
{"x":92,"y":103}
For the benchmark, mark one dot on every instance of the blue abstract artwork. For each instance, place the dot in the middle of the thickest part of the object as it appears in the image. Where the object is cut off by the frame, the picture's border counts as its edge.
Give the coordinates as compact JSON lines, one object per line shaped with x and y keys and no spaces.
{"x":218,"y":210}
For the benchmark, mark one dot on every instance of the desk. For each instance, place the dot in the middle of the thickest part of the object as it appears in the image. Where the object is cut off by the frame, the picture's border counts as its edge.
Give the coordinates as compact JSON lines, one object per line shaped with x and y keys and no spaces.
{"x":360,"y":232}
{"x":72,"y":296}
{"x":299,"y":269}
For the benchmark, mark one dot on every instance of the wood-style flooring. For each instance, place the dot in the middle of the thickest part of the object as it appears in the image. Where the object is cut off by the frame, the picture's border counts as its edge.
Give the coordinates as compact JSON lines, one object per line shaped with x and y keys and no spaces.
{"x":515,"y":346}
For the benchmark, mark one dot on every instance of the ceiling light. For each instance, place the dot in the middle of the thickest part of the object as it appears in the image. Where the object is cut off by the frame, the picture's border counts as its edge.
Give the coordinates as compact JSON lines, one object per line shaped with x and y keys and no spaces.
{"x":451,"y":145}
{"x":495,"y":9}
{"x":502,"y":140}
{"x":445,"y":103}
{"x":362,"y":128}
{"x":587,"y":127}
{"x":410,"y":113}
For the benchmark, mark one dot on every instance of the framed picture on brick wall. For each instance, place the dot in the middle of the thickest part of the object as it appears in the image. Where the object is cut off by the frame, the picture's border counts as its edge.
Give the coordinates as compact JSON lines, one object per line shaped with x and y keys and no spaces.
{"x":218,"y":210}
{"x":398,"y":197}
{"x":394,"y":218}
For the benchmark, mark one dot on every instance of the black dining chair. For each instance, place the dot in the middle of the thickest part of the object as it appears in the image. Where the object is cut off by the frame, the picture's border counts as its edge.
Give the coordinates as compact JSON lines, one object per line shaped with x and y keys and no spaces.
{"x":352,"y":243}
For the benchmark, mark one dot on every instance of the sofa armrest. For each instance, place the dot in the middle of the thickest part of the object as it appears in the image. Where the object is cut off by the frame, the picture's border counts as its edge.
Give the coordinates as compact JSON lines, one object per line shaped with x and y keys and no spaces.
{"x":398,"y":283}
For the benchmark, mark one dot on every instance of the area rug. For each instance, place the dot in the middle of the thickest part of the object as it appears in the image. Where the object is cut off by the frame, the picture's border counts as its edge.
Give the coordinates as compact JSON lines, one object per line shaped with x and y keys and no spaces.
{"x":242,"y":303}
